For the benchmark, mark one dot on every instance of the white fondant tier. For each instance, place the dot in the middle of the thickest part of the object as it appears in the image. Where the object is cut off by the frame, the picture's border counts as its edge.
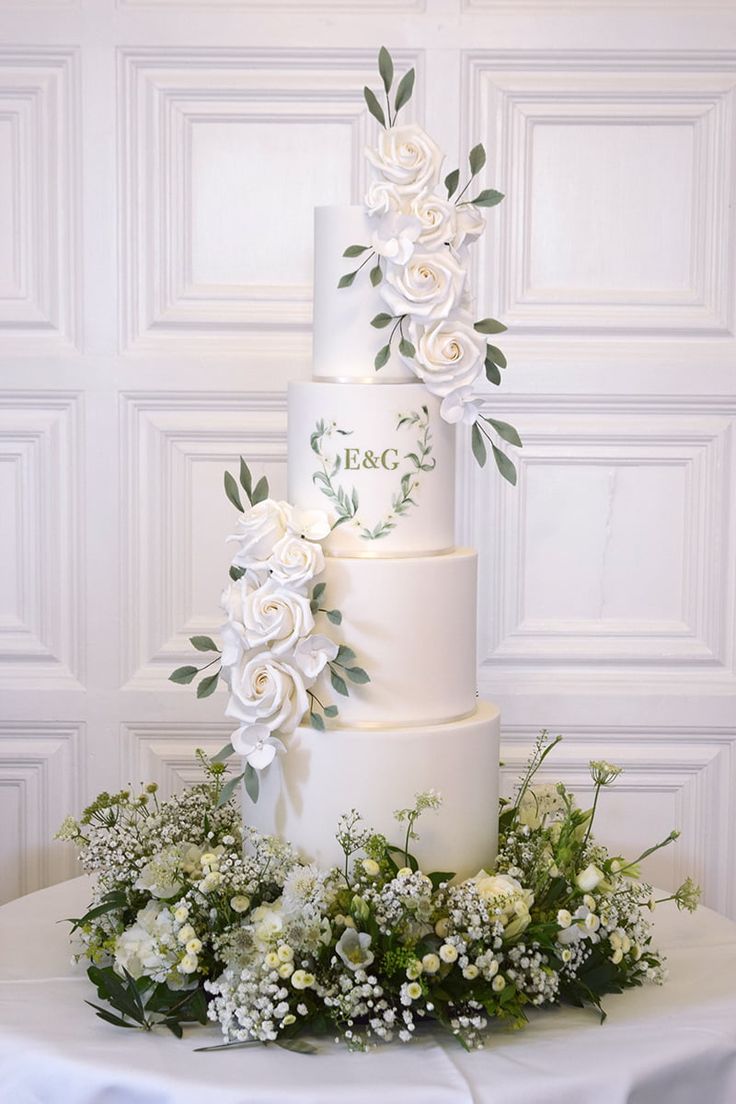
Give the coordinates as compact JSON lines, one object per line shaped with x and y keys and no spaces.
{"x":345,"y":343}
{"x":380,"y":458}
{"x":326,"y":774}
{"x":412,"y":625}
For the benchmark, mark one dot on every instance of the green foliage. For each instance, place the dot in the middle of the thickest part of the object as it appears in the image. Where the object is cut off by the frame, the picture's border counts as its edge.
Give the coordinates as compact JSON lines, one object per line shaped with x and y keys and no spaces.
{"x":347,"y":279}
{"x":505,"y":431}
{"x":477,"y":159}
{"x":505,"y":466}
{"x":493,"y":375}
{"x":494,"y":354}
{"x":208,"y":685}
{"x":382,"y":357}
{"x":386,"y":68}
{"x":355,"y":250}
{"x":183,"y":675}
{"x":252,"y":784}
{"x":203,"y":644}
{"x":407,"y":349}
{"x":404,"y":91}
{"x":381,"y":321}
{"x":489,"y":326}
{"x":478,"y":445}
{"x":143,"y":1004}
{"x":374,"y":106}
{"x":232,"y":492}
{"x":451,"y":182}
{"x":376,"y":274}
{"x":489,"y":197}
{"x":334,"y":616}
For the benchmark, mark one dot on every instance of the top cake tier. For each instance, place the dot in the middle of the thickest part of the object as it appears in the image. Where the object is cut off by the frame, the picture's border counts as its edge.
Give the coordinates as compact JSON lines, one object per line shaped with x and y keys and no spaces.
{"x":345,"y":343}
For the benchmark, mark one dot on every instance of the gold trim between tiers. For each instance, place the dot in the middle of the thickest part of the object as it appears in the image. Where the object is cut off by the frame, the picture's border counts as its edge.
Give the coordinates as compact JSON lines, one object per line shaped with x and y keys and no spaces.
{"x":391,"y":555}
{"x":361,"y":379}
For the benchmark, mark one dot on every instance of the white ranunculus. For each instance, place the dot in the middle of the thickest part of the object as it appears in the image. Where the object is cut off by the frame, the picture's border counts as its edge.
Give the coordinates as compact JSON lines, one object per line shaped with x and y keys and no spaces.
{"x":295,"y":562}
{"x":276,"y":615}
{"x":267,"y":689}
{"x":407,"y":157}
{"x":256,"y":745}
{"x":313,"y":525}
{"x":437,"y":219}
{"x":382,"y":197}
{"x":449,"y":354}
{"x":394,"y":237}
{"x":259,"y":529}
{"x":460,"y":406}
{"x":589,"y":878}
{"x":312,"y":654}
{"x":468,"y":223}
{"x":428,"y":287}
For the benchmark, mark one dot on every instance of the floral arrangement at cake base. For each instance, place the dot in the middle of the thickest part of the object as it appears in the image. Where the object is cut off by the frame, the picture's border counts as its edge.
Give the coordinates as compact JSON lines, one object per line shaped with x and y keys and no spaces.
{"x":197,"y":917}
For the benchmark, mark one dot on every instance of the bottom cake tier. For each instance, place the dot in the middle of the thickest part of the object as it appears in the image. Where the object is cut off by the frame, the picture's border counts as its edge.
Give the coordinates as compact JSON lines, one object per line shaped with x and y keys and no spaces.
{"x":325,"y":774}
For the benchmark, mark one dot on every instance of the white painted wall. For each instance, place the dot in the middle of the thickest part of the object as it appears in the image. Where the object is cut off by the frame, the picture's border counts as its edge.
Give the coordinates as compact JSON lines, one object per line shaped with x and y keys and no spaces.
{"x":158,"y":165}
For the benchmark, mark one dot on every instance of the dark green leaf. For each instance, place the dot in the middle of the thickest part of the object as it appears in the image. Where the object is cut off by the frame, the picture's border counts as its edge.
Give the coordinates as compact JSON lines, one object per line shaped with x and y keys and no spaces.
{"x":183,"y":675}
{"x":493,"y":374}
{"x":110,"y":1018}
{"x":404,"y":91}
{"x":203,"y":643}
{"x":223,"y":754}
{"x":406,"y":348}
{"x":331,"y":711}
{"x":381,"y":320}
{"x":174,"y":1027}
{"x":477,"y":159}
{"x":451,"y":182}
{"x":260,"y":491}
{"x":347,"y":279}
{"x":299,"y":1046}
{"x":505,"y":431}
{"x":374,"y":106}
{"x":382,"y":357}
{"x":252,"y":783}
{"x":357,"y":674}
{"x":439,"y":876}
{"x":355,"y":250}
{"x":207,"y":685}
{"x":246,"y":481}
{"x":494,"y":353}
{"x":111,"y":901}
{"x":489,"y":326}
{"x":334,"y":616}
{"x":318,"y":591}
{"x":236,"y":572}
{"x":229,"y":789}
{"x":345,"y":654}
{"x":386,"y":68}
{"x":478,"y":445}
{"x":316,"y":721}
{"x":232,"y":492}
{"x":339,"y":684}
{"x":504,"y":465}
{"x":115,"y":991}
{"x":376,"y":274}
{"x":489,"y":197}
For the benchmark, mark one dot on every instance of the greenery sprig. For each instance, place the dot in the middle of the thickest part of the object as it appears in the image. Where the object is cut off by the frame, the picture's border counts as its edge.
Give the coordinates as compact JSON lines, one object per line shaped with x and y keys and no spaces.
{"x":403,"y":92}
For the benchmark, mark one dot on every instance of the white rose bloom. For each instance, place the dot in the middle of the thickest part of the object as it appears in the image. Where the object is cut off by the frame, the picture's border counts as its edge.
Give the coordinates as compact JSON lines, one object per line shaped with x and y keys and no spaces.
{"x":233,"y":600}
{"x":468,"y":223}
{"x":256,"y":745}
{"x":268,"y":690}
{"x":449,"y":354}
{"x":394,"y":237}
{"x":428,"y":287}
{"x":381,"y":198}
{"x":259,"y":529}
{"x":295,"y":562}
{"x":312,"y":654}
{"x":460,"y":406}
{"x":312,"y":525}
{"x":407,"y":157}
{"x":276,"y":615}
{"x":437,"y":219}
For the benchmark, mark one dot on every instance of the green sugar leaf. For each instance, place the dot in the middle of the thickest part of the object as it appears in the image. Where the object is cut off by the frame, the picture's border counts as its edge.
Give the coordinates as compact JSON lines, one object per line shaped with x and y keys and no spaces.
{"x":374,"y":106}
{"x":229,"y":789}
{"x":203,"y":643}
{"x":492,"y":373}
{"x":357,"y":674}
{"x":477,"y":159}
{"x":260,"y":491}
{"x":347,"y":279}
{"x":331,"y":711}
{"x":404,"y":91}
{"x":183,"y":675}
{"x":223,"y":754}
{"x":385,"y":68}
{"x":318,"y":591}
{"x":382,"y":320}
{"x":376,"y":274}
{"x":316,"y":722}
{"x":246,"y":481}
{"x":252,"y":783}
{"x":451,"y":182}
{"x":355,"y":250}
{"x":478,"y":445}
{"x":236,"y":572}
{"x":494,"y":353}
{"x":489,"y":326}
{"x":505,"y":431}
{"x":345,"y":654}
{"x":339,"y":684}
{"x":382,"y":357}
{"x":334,"y":616}
{"x":504,"y":465}
{"x":208,"y":685}
{"x":407,"y":349}
{"x":232,"y":492}
{"x":489,"y":197}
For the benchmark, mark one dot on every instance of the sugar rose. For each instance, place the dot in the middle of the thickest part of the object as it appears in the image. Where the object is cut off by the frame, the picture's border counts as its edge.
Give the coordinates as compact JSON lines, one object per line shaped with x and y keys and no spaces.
{"x":276,"y":615}
{"x":295,"y":562}
{"x":266,"y":689}
{"x":259,"y":529}
{"x":449,"y":354}
{"x":428,"y":287}
{"x":407,"y":157}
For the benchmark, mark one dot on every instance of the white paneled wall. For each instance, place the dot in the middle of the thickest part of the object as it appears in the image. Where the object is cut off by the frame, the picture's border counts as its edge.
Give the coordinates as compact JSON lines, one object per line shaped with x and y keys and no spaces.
{"x":159,"y":161}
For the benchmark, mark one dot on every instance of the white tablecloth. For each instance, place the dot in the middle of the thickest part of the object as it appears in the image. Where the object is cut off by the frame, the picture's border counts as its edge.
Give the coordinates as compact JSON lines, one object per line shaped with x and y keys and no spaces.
{"x":675,"y":1044}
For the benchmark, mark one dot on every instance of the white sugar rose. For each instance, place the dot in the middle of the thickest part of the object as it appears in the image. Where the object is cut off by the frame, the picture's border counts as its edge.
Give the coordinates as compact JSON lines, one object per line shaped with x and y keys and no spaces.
{"x":276,"y":615}
{"x":259,"y":529}
{"x":381,"y":198}
{"x":460,"y":406}
{"x":468,"y":224}
{"x":428,"y":287}
{"x":313,"y":525}
{"x":267,"y":689}
{"x":407,"y":157}
{"x":295,"y":562}
{"x":394,"y":237}
{"x":449,"y":354}
{"x":313,"y":654}
{"x":256,"y":745}
{"x":233,"y":601}
{"x":437,"y":219}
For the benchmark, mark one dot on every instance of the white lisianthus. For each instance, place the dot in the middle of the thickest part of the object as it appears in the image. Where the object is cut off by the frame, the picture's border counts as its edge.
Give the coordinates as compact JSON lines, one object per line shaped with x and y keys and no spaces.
{"x":437,"y":219}
{"x":428,"y":287}
{"x":267,"y":690}
{"x":460,"y":406}
{"x":395,"y":236}
{"x":449,"y":354}
{"x":277,"y":616}
{"x":407,"y":157}
{"x":259,"y":529}
{"x":256,"y":745}
{"x":382,"y":197}
{"x":589,"y":878}
{"x":312,"y":525}
{"x":353,"y":947}
{"x":312,"y":654}
{"x":295,"y":562}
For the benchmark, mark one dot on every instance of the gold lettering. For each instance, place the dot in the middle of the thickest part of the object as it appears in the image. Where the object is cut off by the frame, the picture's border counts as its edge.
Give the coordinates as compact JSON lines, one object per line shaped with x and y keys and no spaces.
{"x":384,"y":461}
{"x":352,"y":454}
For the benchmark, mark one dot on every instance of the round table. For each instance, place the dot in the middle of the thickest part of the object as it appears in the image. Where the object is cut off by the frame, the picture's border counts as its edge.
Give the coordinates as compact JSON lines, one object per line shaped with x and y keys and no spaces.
{"x":675,"y":1044}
